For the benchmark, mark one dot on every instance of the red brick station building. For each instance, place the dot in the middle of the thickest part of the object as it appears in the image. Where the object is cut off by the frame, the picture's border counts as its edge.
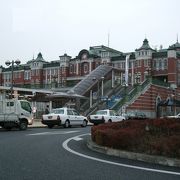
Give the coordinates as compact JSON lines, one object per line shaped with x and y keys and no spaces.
{"x":153,"y":79}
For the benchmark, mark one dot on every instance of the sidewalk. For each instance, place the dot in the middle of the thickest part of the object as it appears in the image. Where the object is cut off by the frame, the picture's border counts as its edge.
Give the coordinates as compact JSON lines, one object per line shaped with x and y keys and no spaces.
{"x":36,"y":123}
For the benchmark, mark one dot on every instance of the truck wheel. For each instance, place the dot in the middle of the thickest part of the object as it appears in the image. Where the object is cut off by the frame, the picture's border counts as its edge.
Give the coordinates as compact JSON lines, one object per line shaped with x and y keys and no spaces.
{"x":23,"y":125}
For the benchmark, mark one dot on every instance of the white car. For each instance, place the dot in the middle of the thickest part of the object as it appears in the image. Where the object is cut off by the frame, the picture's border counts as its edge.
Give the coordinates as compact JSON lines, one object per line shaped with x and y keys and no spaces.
{"x":64,"y":116}
{"x":175,"y":117}
{"x":104,"y":116}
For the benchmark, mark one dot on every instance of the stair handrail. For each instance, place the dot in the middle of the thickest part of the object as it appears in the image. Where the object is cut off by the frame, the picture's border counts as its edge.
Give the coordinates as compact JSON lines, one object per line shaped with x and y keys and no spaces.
{"x":136,"y":91}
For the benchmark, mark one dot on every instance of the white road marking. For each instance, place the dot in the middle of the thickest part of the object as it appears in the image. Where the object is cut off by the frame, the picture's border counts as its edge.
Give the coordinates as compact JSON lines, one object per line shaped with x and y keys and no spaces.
{"x":65,"y":146}
{"x":52,"y":133}
{"x":78,"y":139}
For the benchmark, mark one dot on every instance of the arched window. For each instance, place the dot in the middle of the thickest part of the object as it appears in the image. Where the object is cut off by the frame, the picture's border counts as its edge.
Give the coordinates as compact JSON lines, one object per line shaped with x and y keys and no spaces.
{"x":85,"y":68}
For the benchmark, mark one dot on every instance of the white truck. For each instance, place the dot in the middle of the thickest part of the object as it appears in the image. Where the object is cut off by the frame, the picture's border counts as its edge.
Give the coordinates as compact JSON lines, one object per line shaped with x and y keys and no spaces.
{"x":15,"y":113}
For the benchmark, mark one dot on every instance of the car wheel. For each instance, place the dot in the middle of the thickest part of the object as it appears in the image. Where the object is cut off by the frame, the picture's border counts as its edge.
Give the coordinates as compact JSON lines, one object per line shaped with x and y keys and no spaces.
{"x":23,"y":125}
{"x":50,"y":126}
{"x":66,"y":124}
{"x":109,"y":120}
{"x":84,"y":124}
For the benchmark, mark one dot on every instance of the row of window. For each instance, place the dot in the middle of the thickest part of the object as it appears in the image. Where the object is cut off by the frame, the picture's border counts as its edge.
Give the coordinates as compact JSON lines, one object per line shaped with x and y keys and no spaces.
{"x":143,"y":53}
{"x":137,"y":63}
{"x":160,"y":64}
{"x":16,"y":75}
{"x":157,"y":64}
{"x":73,"y":69}
{"x":105,"y":54}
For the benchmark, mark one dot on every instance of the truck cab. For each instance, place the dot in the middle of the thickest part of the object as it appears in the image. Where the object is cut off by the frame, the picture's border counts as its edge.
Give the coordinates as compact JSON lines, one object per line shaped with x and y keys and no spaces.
{"x":15,"y":113}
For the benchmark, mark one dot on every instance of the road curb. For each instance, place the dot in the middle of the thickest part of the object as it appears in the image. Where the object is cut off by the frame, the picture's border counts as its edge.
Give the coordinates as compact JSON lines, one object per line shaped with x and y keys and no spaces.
{"x":134,"y":156}
{"x":30,"y":126}
{"x":38,"y":124}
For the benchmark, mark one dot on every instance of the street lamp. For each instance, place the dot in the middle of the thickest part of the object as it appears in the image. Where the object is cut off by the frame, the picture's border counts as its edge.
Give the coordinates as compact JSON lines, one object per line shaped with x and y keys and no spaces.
{"x":96,"y":80}
{"x":8,"y":63}
{"x":102,"y":86}
{"x":91,"y":93}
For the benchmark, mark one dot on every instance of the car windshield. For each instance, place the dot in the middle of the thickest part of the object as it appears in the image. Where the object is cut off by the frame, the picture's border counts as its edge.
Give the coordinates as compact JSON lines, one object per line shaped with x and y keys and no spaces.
{"x":101,"y":113}
{"x":26,"y":106}
{"x":112,"y":113}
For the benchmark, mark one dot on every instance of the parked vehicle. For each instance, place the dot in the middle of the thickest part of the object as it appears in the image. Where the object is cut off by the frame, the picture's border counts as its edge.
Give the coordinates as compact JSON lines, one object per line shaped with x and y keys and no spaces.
{"x":129,"y":115}
{"x":15,"y":113}
{"x":125,"y":115}
{"x":104,"y":116}
{"x":140,"y":115}
{"x":175,"y":116}
{"x":136,"y":115}
{"x":64,"y":117}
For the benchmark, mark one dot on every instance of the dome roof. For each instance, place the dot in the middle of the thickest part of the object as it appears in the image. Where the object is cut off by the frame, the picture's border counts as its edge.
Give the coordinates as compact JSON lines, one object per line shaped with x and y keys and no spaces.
{"x":145,"y":45}
{"x":175,"y":46}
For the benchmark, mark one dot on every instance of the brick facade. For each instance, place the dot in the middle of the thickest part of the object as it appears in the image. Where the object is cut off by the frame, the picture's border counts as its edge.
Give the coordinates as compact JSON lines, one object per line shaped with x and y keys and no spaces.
{"x":163,"y":64}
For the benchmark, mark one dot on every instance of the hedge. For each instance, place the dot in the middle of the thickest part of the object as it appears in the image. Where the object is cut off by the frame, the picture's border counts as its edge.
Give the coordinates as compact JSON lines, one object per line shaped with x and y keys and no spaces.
{"x":152,"y":136}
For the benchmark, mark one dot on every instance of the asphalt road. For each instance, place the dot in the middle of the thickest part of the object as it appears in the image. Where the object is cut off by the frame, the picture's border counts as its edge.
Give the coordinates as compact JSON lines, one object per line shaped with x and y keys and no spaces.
{"x":62,"y":154}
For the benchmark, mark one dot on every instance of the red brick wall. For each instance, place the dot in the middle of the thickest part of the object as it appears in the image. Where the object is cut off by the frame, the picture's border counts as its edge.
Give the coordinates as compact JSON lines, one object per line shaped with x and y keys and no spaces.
{"x":147,"y":100}
{"x":172,"y":70}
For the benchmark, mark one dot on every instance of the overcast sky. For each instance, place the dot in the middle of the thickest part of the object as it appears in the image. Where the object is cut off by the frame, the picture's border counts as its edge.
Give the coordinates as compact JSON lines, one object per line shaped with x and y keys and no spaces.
{"x":55,"y":27}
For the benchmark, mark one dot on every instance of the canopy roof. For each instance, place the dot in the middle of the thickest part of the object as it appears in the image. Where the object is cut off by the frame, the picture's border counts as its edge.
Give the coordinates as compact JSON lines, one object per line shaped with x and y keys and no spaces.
{"x":66,"y":95}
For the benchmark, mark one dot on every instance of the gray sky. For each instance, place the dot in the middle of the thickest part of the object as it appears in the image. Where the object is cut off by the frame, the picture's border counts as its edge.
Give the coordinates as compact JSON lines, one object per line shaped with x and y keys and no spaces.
{"x":55,"y":27}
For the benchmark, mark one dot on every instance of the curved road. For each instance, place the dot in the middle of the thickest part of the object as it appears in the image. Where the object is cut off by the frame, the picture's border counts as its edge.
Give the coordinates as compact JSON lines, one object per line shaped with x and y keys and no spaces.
{"x":62,"y":154}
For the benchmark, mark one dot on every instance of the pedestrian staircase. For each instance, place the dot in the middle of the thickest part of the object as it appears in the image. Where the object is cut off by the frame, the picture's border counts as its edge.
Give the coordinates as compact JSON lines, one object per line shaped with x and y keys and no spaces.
{"x":144,"y":97}
{"x":131,"y":93}
{"x":99,"y":101}
{"x":91,"y":79}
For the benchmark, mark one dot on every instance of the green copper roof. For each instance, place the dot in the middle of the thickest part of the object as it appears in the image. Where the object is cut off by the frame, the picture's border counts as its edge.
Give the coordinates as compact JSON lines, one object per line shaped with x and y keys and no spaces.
{"x":51,"y":64}
{"x":96,"y":50}
{"x":145,"y":45}
{"x":38,"y":59}
{"x":122,"y":57}
{"x":175,"y":46}
{"x":160,"y":54}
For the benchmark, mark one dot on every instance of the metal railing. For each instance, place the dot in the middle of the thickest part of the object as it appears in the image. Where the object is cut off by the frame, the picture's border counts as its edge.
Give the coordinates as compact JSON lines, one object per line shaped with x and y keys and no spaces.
{"x":130,"y":94}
